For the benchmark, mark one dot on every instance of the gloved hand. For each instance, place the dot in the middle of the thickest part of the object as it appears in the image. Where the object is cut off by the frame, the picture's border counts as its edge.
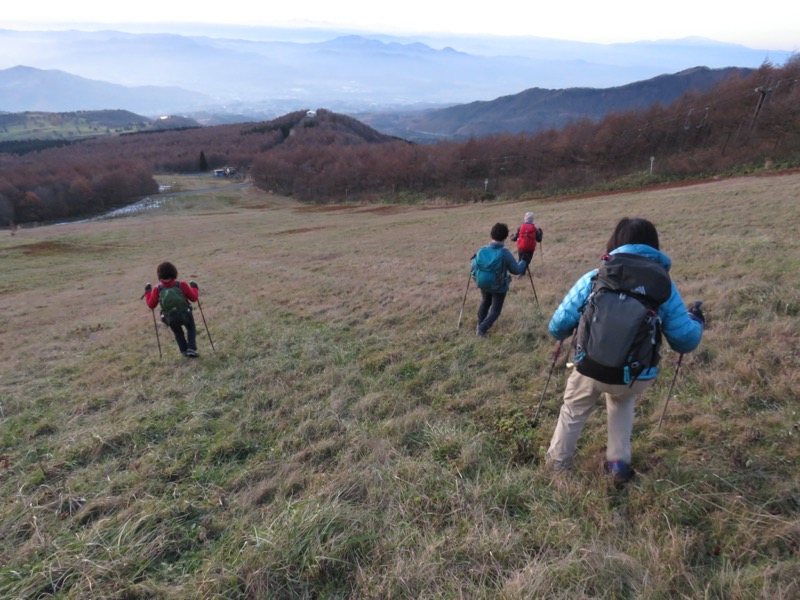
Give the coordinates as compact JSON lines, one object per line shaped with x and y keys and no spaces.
{"x":513,"y":237}
{"x":148,"y":288}
{"x":193,"y":285}
{"x":696,"y":313}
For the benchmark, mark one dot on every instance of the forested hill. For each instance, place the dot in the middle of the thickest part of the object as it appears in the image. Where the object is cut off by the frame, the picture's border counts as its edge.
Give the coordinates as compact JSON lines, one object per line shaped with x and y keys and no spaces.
{"x":92,"y":175}
{"x":538,"y":109}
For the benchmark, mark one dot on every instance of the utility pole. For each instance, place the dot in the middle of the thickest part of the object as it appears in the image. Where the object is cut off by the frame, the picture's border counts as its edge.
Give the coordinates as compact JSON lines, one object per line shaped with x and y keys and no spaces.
{"x":760,"y":104}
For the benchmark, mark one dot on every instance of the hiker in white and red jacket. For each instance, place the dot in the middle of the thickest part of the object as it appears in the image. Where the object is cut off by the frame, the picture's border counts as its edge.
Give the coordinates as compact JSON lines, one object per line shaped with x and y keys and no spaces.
{"x":527,"y":236}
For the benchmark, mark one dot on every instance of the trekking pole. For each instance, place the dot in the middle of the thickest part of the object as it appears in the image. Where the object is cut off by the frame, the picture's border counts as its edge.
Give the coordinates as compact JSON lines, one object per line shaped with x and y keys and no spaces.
{"x":697,"y":305}
{"x":539,"y":306}
{"x":158,"y":339}
{"x":463,"y":304}
{"x":669,"y":393}
{"x":200,"y":306}
{"x":544,"y":391}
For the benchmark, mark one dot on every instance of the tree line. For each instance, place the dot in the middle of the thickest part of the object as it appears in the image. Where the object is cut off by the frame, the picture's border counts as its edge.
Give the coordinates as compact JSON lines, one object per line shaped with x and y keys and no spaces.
{"x":743,"y":123}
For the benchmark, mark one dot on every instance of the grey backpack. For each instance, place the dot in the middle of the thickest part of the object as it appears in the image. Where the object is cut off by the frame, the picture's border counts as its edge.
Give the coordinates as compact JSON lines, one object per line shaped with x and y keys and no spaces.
{"x":619,"y":332}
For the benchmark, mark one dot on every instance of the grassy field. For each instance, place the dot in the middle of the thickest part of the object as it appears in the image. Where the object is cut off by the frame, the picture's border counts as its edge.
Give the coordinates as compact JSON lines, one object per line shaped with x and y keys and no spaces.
{"x":345,"y":440}
{"x":67,"y":126}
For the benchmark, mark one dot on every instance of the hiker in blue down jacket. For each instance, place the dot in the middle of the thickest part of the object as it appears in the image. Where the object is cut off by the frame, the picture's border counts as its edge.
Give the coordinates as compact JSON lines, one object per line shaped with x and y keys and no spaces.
{"x":493,"y":263}
{"x":681,"y":327}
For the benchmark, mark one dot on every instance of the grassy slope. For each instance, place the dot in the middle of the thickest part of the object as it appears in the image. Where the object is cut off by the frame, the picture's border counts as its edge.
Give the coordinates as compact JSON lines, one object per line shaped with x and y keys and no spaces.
{"x":346,"y":441}
{"x":70,"y":125}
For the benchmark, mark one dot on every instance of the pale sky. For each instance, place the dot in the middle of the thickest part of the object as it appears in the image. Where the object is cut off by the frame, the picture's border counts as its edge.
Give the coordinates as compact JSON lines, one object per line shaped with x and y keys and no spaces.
{"x":772,"y":26}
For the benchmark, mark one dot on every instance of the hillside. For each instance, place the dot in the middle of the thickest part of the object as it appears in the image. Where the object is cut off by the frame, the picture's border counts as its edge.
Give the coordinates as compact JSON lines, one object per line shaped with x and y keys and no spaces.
{"x":740,"y":125}
{"x":346,"y":441}
{"x":90,"y":176}
{"x":534,"y":110}
{"x":57,"y":127}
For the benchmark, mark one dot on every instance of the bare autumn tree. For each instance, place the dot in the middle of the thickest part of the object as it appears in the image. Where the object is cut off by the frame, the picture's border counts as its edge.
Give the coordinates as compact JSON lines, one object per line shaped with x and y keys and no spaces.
{"x":30,"y":208}
{"x":7,"y":212}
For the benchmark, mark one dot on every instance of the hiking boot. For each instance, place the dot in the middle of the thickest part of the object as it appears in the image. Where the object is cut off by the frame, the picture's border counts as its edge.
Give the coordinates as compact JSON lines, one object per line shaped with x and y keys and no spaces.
{"x":480,"y":333}
{"x":621,"y":472}
{"x":190,"y":353}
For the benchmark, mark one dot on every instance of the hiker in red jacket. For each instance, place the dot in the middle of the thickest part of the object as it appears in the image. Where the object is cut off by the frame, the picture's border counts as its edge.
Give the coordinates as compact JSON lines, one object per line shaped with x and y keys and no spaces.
{"x":526,"y":237}
{"x":175,"y":298}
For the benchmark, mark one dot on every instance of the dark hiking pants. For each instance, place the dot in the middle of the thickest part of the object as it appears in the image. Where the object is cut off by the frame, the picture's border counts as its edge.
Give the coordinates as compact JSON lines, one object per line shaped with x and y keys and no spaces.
{"x":177,"y":323}
{"x":489,"y":309}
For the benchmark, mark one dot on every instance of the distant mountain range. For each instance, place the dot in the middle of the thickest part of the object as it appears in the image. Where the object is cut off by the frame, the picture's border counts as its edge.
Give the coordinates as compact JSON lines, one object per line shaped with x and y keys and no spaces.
{"x":536,"y":109}
{"x":264,"y":73}
{"x":529,"y":111}
{"x":28,"y":89}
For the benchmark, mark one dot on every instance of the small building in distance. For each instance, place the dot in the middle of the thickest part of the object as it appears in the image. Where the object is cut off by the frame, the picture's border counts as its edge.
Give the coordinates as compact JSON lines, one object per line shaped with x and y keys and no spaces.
{"x":225,"y":172}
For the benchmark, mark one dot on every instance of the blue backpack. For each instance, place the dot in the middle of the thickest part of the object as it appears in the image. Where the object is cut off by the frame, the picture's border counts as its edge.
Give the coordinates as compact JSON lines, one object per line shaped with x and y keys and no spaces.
{"x":489,"y":269}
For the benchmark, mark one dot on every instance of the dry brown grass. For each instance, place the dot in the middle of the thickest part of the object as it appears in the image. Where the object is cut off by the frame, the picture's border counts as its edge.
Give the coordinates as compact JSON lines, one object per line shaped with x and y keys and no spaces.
{"x":346,"y":441}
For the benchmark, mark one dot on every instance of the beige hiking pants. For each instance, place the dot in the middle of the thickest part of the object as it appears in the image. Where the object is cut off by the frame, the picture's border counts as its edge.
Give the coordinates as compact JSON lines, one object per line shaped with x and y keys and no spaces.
{"x":580,"y":401}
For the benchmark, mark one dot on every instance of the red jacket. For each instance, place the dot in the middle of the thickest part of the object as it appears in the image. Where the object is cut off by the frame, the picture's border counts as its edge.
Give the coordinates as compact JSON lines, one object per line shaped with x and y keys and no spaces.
{"x":526,"y":238}
{"x":190,"y":293}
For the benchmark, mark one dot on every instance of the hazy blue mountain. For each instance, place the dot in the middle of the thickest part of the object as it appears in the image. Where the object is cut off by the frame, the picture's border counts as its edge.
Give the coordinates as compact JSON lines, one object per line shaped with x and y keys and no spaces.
{"x":29,"y":89}
{"x":537,"y":109}
{"x":258,"y":70}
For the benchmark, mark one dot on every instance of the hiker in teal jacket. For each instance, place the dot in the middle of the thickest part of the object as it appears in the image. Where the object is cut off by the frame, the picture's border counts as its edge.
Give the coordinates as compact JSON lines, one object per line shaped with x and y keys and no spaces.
{"x":491,"y":266}
{"x":682,"y":327}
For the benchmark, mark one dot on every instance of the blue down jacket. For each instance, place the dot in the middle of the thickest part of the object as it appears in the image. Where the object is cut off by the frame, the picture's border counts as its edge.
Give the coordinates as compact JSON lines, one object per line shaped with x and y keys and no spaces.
{"x":681,"y":331}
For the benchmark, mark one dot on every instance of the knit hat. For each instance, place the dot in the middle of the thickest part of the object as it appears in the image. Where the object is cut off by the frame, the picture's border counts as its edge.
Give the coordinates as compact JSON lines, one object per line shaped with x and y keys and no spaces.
{"x":529,"y":217}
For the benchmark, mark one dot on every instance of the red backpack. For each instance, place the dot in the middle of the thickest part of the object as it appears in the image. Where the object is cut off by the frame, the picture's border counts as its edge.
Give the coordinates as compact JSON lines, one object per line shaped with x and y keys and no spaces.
{"x":526,"y":240}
